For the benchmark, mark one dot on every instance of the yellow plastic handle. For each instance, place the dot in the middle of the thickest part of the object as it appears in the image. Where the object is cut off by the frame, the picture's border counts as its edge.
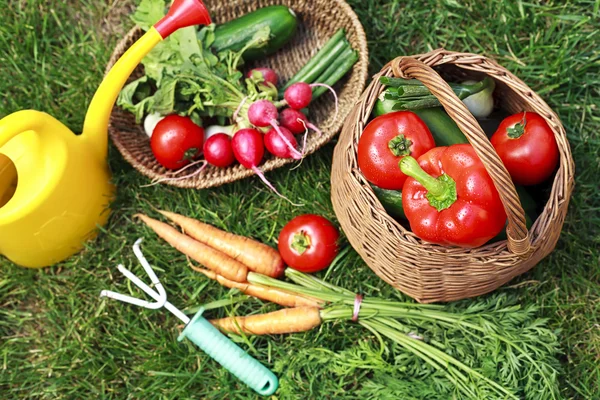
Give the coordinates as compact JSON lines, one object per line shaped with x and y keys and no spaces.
{"x":19,"y":122}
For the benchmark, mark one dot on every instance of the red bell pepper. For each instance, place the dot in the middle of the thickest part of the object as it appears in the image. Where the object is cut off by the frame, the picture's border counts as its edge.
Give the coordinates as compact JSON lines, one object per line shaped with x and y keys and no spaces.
{"x":450,"y":199}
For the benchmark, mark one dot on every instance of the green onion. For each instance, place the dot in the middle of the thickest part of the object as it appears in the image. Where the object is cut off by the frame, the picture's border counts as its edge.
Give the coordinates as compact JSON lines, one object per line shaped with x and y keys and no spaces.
{"x":341,"y":70}
{"x":315,"y":64}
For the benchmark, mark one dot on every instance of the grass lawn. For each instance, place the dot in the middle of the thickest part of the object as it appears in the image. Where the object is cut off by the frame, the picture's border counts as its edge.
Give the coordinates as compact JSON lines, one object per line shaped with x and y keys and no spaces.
{"x":58,"y":340}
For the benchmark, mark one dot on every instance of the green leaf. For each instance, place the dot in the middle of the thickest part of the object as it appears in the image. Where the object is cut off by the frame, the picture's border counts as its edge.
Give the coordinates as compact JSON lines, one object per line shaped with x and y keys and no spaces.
{"x":148,"y":13}
{"x":127,"y":98}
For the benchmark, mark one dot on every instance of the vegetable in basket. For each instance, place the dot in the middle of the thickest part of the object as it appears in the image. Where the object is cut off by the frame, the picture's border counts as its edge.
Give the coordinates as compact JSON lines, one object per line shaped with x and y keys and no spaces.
{"x":236,"y":34}
{"x":527,"y":147}
{"x":450,"y":199}
{"x":176,"y":141}
{"x":411,"y":94}
{"x":444,"y":130}
{"x":385,"y":141}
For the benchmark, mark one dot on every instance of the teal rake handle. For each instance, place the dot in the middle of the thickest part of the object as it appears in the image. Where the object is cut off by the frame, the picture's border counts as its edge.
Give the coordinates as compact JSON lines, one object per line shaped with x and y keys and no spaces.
{"x":229,"y":355}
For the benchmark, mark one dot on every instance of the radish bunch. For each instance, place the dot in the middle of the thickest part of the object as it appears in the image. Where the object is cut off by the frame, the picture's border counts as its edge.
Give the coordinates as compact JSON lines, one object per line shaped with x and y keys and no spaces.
{"x":267,"y":125}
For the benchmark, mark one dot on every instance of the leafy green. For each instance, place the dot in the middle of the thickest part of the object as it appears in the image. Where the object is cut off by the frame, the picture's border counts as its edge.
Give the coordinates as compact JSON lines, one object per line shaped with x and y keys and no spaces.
{"x":187,"y":78}
{"x":492,"y":349}
{"x":148,"y":12}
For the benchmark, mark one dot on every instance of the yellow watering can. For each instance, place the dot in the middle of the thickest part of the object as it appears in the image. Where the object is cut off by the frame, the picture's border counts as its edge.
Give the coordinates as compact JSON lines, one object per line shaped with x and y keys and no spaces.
{"x":55,"y":187}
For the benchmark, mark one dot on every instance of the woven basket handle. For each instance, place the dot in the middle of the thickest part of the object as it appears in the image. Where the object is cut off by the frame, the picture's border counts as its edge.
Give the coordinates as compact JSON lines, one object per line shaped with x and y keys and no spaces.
{"x":518,"y":236}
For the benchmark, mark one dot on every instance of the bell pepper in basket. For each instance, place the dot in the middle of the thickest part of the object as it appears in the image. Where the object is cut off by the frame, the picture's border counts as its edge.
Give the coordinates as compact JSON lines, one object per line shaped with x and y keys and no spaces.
{"x":450,"y":199}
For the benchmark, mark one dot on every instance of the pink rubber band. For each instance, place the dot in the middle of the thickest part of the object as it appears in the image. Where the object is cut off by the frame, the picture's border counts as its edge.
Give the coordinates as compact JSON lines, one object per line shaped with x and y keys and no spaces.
{"x":357,"y":302}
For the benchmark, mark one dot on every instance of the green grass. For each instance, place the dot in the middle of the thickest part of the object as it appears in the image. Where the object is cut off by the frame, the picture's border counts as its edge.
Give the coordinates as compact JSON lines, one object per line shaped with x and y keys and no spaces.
{"x":59,"y":340}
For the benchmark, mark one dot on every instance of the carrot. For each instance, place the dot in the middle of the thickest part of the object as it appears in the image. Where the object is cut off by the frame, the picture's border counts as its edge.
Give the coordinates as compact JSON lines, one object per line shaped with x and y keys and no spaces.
{"x":273,"y":295}
{"x":205,"y":255}
{"x":288,"y":320}
{"x":257,"y":256}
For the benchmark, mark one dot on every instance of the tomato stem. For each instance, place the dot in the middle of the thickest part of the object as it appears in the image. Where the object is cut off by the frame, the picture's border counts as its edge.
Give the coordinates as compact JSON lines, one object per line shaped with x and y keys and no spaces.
{"x":517,"y":130}
{"x":300,"y":242}
{"x":441,"y":191}
{"x":190,"y":153}
{"x":400,"y":146}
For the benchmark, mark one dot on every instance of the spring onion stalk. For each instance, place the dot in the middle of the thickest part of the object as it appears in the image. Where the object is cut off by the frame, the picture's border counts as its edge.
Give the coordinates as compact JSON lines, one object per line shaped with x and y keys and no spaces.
{"x":321,"y":64}
{"x":332,"y":46}
{"x":332,"y":67}
{"x":343,"y":68}
{"x":481,"y":103}
{"x":411,"y":94}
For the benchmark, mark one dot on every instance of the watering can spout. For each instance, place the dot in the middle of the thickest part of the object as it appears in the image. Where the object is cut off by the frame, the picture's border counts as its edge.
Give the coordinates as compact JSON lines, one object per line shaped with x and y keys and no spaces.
{"x":183,"y":13}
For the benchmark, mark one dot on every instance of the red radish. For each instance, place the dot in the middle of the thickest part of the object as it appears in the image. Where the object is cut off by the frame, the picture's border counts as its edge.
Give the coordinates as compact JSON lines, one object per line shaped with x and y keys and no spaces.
{"x":249,"y":149}
{"x":277,"y":145}
{"x":292,"y":120}
{"x":298,"y":95}
{"x":263,"y":113}
{"x":296,"y":121}
{"x":267,"y":74}
{"x":218,"y":150}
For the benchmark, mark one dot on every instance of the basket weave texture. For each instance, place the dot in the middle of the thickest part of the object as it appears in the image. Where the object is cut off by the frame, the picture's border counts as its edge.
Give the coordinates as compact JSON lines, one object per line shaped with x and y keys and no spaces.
{"x":318,"y":20}
{"x":429,"y":272}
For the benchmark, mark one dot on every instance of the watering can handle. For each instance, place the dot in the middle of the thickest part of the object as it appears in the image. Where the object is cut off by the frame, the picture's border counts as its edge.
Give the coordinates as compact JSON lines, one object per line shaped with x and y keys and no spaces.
{"x":22,"y":121}
{"x":229,"y":355}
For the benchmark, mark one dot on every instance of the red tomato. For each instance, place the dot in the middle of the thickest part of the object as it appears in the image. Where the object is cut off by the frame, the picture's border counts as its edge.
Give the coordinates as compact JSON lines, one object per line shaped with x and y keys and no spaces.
{"x":385,"y":141}
{"x":308,"y":243}
{"x":527,"y":147}
{"x":176,"y":141}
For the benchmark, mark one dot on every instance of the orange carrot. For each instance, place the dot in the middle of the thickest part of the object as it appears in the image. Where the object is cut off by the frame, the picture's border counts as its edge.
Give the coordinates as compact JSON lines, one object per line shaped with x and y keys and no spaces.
{"x":273,"y":295}
{"x":288,"y":320}
{"x":205,"y":255}
{"x":257,"y":256}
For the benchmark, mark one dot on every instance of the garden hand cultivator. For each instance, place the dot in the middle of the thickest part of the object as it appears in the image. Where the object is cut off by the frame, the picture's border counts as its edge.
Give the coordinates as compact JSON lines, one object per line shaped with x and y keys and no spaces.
{"x":199,"y":331}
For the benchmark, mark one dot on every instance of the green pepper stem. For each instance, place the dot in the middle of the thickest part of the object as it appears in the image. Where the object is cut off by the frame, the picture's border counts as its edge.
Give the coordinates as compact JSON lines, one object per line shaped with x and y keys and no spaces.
{"x":409,"y":166}
{"x":441,"y":192}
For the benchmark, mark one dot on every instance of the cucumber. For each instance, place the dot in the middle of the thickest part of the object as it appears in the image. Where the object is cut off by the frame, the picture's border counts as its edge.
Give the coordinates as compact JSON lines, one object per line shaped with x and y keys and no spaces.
{"x":236,"y":33}
{"x":391,"y":200}
{"x":444,"y":130}
{"x":529,"y":206}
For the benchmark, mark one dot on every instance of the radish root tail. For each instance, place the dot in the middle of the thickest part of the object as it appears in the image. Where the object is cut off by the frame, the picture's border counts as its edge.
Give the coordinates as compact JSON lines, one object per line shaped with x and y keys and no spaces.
{"x":334,"y":95}
{"x":160,"y":180}
{"x":261,"y":175}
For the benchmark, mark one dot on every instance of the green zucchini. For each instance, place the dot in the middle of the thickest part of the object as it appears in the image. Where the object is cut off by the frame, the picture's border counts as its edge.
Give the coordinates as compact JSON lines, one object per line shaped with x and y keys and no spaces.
{"x":234,"y":34}
{"x":444,"y":130}
{"x":391,"y":200}
{"x":529,"y":206}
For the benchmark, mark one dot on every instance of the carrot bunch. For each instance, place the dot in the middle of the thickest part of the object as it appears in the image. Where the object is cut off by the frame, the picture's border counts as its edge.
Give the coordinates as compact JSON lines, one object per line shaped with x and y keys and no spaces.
{"x":227,"y":258}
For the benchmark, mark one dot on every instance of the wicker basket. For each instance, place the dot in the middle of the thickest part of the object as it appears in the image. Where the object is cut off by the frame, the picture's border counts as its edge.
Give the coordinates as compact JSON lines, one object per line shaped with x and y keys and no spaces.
{"x":318,"y":20}
{"x":434,"y":273}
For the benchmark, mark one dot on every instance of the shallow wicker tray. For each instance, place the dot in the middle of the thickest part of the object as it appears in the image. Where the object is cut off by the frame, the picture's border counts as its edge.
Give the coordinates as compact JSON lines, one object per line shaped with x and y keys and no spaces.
{"x":429,"y":272}
{"x":318,"y":20}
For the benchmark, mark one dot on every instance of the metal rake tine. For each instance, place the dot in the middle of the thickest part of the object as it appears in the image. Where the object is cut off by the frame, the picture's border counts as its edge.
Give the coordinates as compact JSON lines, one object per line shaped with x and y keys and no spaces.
{"x":159,"y":295}
{"x":138,"y":253}
{"x":159,"y":300}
